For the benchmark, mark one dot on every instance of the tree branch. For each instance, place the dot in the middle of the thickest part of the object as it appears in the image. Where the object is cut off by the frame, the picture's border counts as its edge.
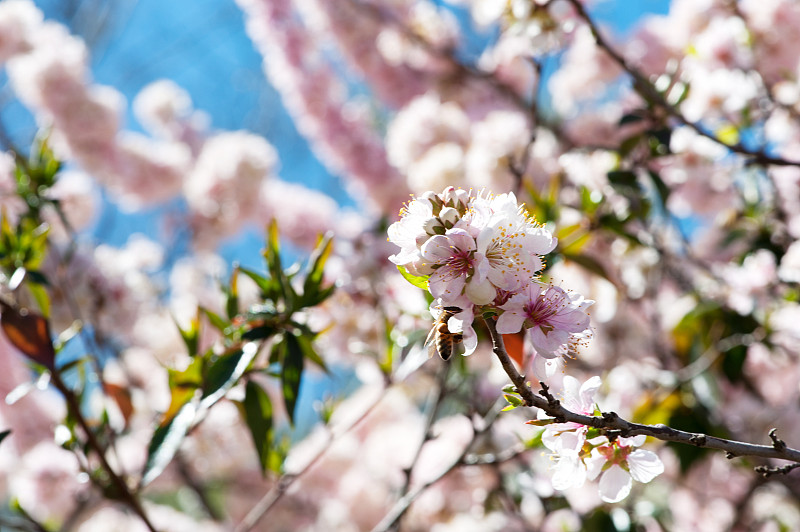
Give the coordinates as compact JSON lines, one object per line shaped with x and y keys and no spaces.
{"x":612,"y":421}
{"x":270,"y":498}
{"x":649,"y":93}
{"x":122,"y":491}
{"x":404,"y":503}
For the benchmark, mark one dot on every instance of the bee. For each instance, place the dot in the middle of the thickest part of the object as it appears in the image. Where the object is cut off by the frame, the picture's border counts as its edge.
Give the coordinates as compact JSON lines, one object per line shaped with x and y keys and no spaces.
{"x":440,"y":339}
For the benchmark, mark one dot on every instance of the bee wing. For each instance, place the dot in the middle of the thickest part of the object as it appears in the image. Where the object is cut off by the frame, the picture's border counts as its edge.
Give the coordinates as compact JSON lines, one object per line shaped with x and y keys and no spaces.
{"x":430,"y":341}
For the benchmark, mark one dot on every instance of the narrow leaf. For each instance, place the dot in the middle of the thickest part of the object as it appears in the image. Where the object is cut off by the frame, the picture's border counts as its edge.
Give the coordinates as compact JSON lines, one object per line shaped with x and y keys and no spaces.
{"x":40,"y":295}
{"x":513,"y":400}
{"x":589,"y":264}
{"x":191,"y":336}
{"x":317,"y":262}
{"x":166,"y":441}
{"x":257,"y":409}
{"x":232,"y":293}
{"x":273,"y":252}
{"x":663,"y":190}
{"x":310,"y":353}
{"x":225,"y":372}
{"x":215,"y":319}
{"x":291,"y":373}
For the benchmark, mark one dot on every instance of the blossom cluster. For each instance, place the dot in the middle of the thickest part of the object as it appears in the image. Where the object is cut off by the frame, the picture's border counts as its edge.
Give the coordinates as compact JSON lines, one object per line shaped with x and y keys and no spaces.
{"x":483,"y":252}
{"x":579,"y":454}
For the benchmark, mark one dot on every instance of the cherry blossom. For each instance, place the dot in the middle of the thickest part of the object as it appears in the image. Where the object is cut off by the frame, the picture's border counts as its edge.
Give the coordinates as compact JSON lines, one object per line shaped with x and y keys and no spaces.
{"x":618,"y":463}
{"x":555,"y":319}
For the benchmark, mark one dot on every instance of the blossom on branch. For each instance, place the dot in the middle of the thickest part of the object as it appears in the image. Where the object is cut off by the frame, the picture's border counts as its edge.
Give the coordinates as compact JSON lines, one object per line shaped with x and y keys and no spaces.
{"x":484,"y":250}
{"x":556,"y":319}
{"x":580,"y":453}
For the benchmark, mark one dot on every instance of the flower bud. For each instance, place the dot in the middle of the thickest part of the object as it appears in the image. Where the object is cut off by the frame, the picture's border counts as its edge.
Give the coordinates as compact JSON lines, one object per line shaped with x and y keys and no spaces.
{"x":434,"y":226}
{"x":449,"y":216}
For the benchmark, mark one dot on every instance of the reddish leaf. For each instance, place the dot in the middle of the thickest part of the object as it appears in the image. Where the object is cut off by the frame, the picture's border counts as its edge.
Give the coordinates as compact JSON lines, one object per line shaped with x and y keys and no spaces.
{"x":514,"y":346}
{"x":121,"y":396}
{"x":30,"y":333}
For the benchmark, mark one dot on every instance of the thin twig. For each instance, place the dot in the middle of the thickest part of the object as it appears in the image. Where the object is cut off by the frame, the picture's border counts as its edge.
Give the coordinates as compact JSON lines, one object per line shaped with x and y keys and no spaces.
{"x":404,"y":503}
{"x":122,"y":489}
{"x":646,"y":90}
{"x":612,"y":421}
{"x":435,"y":402}
{"x":285,"y":482}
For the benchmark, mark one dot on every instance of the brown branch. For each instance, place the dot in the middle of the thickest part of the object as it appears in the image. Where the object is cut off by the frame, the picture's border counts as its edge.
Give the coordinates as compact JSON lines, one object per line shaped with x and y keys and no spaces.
{"x":404,"y":503}
{"x":280,"y":488}
{"x":121,"y":489}
{"x":645,"y":89}
{"x":612,"y":421}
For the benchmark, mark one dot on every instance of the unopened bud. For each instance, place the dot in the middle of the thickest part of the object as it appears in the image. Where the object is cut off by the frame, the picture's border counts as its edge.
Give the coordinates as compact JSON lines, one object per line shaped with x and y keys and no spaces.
{"x":433,"y":226}
{"x":449,"y":216}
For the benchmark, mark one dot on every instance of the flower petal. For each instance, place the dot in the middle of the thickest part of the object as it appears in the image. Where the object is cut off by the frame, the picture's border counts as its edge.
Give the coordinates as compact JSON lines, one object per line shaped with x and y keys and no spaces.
{"x":615,"y":484}
{"x":644,"y":465}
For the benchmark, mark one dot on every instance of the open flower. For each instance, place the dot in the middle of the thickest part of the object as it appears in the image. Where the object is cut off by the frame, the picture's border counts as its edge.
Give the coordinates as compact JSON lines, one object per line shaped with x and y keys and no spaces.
{"x":618,"y":463}
{"x":512,"y":243}
{"x":458,"y":267}
{"x":555,"y":318}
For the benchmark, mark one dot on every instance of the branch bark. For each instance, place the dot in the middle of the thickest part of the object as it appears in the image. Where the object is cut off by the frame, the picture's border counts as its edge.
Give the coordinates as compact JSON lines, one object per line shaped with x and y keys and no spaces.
{"x":612,"y":421}
{"x":649,"y":92}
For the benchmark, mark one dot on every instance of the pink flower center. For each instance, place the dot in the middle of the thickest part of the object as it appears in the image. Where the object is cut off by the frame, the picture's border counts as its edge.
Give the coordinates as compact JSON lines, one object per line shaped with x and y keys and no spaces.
{"x":459,"y":263}
{"x":540,"y":312}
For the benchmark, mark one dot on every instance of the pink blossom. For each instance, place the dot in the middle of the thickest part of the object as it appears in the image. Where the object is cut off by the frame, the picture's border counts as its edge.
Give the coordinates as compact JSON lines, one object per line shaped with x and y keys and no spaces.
{"x":19,"y":19}
{"x":340,"y":131}
{"x":302,"y":214}
{"x":555,"y":319}
{"x":78,"y":198}
{"x":165,"y":110}
{"x":47,"y":482}
{"x":11,"y":204}
{"x":618,"y":463}
{"x":457,"y":267}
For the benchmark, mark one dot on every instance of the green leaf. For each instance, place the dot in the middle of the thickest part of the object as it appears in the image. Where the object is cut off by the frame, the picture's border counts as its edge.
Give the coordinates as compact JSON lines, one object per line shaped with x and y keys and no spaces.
{"x":317,"y":262}
{"x":272,"y":253}
{"x":269,"y":287}
{"x":588,"y":263}
{"x":662,"y":188}
{"x":631,"y":118}
{"x":225,"y":372}
{"x":259,"y":332}
{"x":623,"y":180}
{"x":316,"y":298}
{"x":257,"y":409}
{"x":513,"y":400}
{"x":627,"y":145}
{"x":41,"y":296}
{"x":191,"y":336}
{"x":416,"y":280}
{"x":232,"y":295}
{"x":310,"y":353}
{"x":215,"y":319}
{"x":166,"y":441}
{"x":291,"y":373}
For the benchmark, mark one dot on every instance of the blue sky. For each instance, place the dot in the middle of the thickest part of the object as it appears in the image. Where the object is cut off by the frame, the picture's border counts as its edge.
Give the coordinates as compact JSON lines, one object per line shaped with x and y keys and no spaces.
{"x":202,"y":45}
